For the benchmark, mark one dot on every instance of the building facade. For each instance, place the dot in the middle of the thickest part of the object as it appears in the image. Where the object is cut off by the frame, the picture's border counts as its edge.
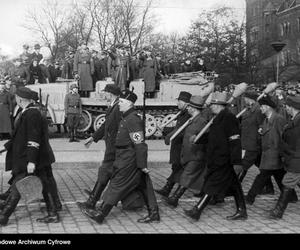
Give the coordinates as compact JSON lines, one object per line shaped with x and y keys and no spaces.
{"x":270,"y":21}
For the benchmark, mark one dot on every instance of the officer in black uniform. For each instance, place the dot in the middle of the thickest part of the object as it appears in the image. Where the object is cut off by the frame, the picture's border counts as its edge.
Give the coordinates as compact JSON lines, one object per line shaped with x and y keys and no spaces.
{"x":108,"y":132}
{"x":29,"y":151}
{"x":130,"y":170}
{"x":183,"y":100}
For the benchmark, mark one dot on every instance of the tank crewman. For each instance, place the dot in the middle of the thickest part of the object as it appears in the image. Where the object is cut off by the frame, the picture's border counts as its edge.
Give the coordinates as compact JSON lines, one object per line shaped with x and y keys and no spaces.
{"x":73,"y":109}
{"x":192,"y":156}
{"x":130,"y":167}
{"x":290,"y":151}
{"x":252,"y":119}
{"x":182,"y":102}
{"x":271,"y":164}
{"x":108,"y":131}
{"x":29,"y":151}
{"x":223,"y":155}
{"x":36,"y":53}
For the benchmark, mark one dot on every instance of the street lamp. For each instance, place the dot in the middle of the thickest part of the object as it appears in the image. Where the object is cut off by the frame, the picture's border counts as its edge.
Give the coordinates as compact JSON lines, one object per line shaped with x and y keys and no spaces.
{"x":278,"y":46}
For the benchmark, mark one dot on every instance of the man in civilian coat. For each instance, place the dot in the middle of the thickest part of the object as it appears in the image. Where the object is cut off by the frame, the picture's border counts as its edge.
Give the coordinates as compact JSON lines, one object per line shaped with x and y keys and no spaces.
{"x":183,"y":100}
{"x":29,"y":151}
{"x":252,"y":119}
{"x":223,"y":155}
{"x":271,"y":163}
{"x":130,"y":170}
{"x":108,"y":131}
{"x":192,"y":156}
{"x":290,"y":152}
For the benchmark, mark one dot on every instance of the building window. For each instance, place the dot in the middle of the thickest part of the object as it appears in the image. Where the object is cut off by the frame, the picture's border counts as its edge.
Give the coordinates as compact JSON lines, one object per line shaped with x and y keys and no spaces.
{"x":288,"y":28}
{"x":298,"y":24}
{"x":281,"y":27}
{"x":254,"y":34}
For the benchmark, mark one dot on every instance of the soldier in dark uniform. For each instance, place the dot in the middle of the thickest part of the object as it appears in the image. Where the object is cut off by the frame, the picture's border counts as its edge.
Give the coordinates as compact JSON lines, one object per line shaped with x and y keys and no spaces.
{"x":26,"y":56}
{"x":73,"y":111}
{"x":252,"y":119}
{"x":108,"y":131}
{"x":183,"y":100}
{"x":192,"y":156}
{"x":20,"y":75}
{"x":29,"y":151}
{"x":223,"y":154}
{"x":130,"y":166}
{"x":290,"y":151}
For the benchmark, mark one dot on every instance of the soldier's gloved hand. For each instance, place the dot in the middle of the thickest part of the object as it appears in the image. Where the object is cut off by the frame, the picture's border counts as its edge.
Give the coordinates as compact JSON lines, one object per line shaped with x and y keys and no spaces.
{"x":238,"y":169}
{"x":146,"y":170}
{"x":30,"y":168}
{"x":88,"y":142}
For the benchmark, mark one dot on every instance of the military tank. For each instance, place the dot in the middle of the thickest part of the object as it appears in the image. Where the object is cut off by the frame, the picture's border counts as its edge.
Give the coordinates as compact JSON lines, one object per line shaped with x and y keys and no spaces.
{"x":159,"y":110}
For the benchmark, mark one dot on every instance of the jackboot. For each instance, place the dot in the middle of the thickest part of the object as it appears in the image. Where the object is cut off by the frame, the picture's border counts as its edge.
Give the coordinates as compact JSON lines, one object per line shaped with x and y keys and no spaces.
{"x":281,"y":204}
{"x":4,"y":196}
{"x":153,"y":216}
{"x":196,"y":211}
{"x":93,"y":198}
{"x":98,"y":215}
{"x":268,"y":188}
{"x":75,"y":136}
{"x":173,"y":200}
{"x":10,"y":206}
{"x":293,"y":197}
{"x":241,"y":211}
{"x":165,"y":191}
{"x":71,"y":136}
{"x":52,"y":216}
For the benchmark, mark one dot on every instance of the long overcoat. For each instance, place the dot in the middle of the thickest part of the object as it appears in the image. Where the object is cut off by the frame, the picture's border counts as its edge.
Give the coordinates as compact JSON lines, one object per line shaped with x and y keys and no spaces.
{"x":29,"y":143}
{"x":84,"y":66}
{"x":223,"y":151}
{"x":131,"y":157}
{"x":149,"y":73}
{"x":271,"y":139}
{"x":290,"y":149}
{"x":5,"y":109}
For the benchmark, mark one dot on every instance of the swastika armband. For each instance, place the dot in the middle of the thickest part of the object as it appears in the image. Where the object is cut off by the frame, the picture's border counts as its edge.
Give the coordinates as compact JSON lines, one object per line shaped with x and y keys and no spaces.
{"x":33,"y":144}
{"x":234,"y":137}
{"x":137,"y":137}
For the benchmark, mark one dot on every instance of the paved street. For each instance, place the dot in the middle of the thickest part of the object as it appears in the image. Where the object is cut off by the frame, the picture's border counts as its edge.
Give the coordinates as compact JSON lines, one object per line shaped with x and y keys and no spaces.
{"x":76,"y":169}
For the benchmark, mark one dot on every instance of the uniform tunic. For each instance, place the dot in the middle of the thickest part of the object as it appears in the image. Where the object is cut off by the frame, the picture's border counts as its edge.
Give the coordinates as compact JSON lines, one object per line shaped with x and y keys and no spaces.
{"x":223,"y":151}
{"x":84,"y":66}
{"x":5,"y":109}
{"x":131,"y":157}
{"x":73,"y":109}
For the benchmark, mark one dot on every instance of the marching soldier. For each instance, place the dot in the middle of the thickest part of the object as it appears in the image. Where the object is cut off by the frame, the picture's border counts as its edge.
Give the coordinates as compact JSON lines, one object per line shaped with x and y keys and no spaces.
{"x":130,"y":167}
{"x":108,"y":131}
{"x":290,"y":152}
{"x":271,"y":163}
{"x":183,"y":100}
{"x":192,"y":156}
{"x":29,"y":151}
{"x":73,"y":111}
{"x":223,"y":155}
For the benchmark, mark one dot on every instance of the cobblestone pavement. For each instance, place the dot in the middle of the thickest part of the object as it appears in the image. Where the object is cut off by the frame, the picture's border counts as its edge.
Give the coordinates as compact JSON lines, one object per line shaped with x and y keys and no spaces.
{"x":72,"y":179}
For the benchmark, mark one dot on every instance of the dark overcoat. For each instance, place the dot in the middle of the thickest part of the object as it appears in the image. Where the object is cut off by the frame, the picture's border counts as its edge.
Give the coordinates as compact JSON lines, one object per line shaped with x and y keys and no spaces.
{"x":223,"y":151}
{"x":270,"y":140}
{"x":108,"y":131}
{"x":131,"y":157}
{"x":149,"y":73}
{"x":252,"y":119}
{"x":29,"y":143}
{"x":290,"y":147}
{"x":5,"y":109}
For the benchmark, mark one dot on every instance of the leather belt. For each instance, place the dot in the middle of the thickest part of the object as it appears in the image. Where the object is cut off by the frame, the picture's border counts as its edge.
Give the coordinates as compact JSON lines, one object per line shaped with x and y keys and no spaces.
{"x":85,"y":62}
{"x":123,"y":147}
{"x":73,"y":106}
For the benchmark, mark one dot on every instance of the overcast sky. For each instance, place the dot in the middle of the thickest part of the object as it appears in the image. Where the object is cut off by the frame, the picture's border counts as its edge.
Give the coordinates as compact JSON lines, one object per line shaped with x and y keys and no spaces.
{"x":173,"y":15}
